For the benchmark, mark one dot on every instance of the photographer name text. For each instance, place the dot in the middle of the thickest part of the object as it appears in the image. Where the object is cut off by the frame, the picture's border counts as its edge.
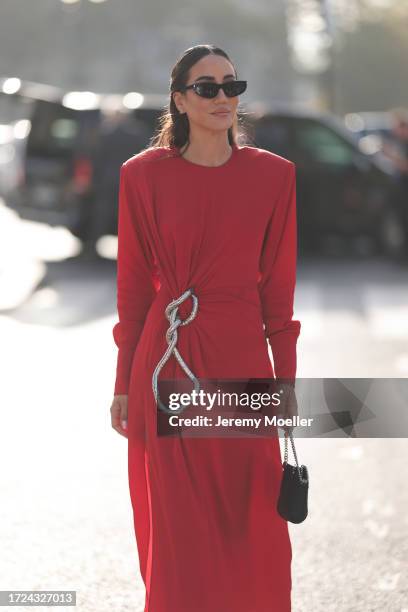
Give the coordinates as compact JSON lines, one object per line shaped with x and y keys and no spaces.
{"x":256,"y":422}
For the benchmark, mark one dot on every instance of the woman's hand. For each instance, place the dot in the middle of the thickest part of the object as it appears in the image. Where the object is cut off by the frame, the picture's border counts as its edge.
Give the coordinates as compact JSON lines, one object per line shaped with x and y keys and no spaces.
{"x":119,"y":412}
{"x":288,"y":407}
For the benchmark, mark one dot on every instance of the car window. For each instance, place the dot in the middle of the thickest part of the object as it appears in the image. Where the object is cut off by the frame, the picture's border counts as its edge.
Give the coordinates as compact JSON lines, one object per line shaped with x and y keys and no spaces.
{"x":63,"y":132}
{"x":56,"y":130}
{"x":321,"y":144}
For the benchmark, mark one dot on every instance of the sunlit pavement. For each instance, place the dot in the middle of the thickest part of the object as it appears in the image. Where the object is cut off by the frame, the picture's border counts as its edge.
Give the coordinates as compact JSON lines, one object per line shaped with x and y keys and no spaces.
{"x":65,"y":513}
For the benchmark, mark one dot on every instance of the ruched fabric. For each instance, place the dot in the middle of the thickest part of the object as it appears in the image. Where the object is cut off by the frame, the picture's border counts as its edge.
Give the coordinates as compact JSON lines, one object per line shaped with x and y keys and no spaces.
{"x":208,"y":535}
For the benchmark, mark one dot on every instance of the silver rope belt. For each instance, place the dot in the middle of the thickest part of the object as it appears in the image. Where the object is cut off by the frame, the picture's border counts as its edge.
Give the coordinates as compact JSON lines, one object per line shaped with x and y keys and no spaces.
{"x":171,"y":337}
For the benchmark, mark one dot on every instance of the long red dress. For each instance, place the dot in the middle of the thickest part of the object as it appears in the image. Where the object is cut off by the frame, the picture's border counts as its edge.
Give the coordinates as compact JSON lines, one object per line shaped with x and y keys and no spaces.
{"x":209,"y":538}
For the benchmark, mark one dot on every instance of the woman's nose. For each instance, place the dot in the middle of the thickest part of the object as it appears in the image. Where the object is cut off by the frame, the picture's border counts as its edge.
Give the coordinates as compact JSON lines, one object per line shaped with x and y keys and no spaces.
{"x":221,"y":94}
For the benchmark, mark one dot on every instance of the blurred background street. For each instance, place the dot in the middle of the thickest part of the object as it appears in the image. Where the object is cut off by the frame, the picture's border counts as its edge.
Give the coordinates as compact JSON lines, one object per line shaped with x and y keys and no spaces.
{"x":82,"y":84}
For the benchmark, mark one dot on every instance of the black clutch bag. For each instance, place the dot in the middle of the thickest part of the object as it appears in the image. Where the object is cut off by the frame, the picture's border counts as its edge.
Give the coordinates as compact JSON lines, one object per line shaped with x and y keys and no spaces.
{"x":292,"y":501}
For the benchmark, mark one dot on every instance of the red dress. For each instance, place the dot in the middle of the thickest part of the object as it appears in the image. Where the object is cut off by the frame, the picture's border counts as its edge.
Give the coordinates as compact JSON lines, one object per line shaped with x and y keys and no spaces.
{"x":209,"y":538}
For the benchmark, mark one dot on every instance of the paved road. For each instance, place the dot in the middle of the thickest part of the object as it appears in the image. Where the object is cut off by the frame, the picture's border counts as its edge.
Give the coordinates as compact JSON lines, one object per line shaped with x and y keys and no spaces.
{"x":65,"y":513}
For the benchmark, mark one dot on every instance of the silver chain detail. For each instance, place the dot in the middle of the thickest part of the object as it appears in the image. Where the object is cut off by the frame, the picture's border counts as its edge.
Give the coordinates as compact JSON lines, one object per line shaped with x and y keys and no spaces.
{"x":285,"y":455}
{"x":171,"y":337}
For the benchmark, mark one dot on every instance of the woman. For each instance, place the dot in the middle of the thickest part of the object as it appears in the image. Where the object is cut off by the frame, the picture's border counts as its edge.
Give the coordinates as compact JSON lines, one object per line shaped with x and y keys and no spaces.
{"x":198,"y":211}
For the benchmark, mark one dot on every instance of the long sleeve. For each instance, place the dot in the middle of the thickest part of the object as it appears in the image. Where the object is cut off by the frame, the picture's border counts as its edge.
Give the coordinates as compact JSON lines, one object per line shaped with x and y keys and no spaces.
{"x":278,"y":278}
{"x":135,"y":284}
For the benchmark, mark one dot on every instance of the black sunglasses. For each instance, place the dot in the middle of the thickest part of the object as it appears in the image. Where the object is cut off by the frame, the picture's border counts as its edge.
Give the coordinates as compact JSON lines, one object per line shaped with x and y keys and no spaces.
{"x":207,"y":89}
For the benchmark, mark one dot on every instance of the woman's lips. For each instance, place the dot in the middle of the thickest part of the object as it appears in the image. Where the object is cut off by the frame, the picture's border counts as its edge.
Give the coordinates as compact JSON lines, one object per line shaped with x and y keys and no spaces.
{"x":221,"y":113}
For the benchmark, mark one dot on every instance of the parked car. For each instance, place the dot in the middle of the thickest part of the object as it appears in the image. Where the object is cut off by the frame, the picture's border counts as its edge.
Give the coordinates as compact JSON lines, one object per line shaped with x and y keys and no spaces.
{"x":342,"y":192}
{"x":70,"y":163}
{"x":55,"y":184}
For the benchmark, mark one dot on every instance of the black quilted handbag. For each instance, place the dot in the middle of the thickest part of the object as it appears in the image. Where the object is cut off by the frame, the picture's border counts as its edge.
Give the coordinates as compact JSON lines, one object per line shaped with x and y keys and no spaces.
{"x":292,"y":501}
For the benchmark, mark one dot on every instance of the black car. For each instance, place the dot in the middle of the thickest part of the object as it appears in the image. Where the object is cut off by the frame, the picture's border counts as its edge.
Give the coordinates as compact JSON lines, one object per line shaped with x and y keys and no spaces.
{"x":342,"y":192}
{"x":70,"y":165}
{"x":56,"y":176}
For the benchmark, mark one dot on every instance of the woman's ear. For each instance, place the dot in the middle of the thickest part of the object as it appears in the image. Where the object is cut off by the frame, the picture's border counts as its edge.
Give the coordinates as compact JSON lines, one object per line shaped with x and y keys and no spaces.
{"x":177,"y":98}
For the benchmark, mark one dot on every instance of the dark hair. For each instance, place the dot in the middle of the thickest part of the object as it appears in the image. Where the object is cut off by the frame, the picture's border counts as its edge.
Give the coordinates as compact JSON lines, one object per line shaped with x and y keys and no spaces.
{"x":174,"y":128}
